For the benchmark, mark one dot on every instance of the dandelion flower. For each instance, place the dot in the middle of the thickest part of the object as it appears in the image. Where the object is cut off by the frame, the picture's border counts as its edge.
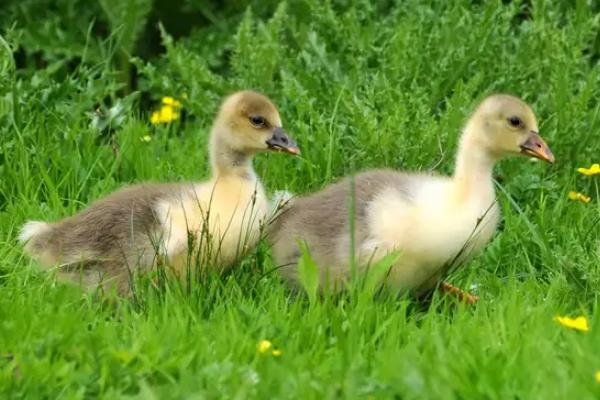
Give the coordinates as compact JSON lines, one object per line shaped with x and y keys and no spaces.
{"x":263,"y":346}
{"x":579,"y":196}
{"x":579,"y":323}
{"x":593,"y":170}
{"x":169,"y":101}
{"x":598,"y":376}
{"x":276,"y":353}
{"x":165,"y":115}
{"x":155,"y":118}
{"x":146,"y":138}
{"x":167,"y":112}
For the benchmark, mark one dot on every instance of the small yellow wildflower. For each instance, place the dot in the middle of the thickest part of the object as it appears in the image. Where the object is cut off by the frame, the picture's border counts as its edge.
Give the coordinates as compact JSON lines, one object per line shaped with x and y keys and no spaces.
{"x":579,"y":196}
{"x":276,"y":353}
{"x":598,"y":376}
{"x":593,"y":170}
{"x":169,"y":101}
{"x":146,"y":138}
{"x":579,"y":323}
{"x":166,"y":114}
{"x":263,"y":346}
{"x":155,"y":118}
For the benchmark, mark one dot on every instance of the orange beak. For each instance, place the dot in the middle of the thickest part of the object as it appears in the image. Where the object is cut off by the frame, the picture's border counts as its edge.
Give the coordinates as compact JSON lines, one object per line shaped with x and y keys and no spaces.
{"x":536,"y":147}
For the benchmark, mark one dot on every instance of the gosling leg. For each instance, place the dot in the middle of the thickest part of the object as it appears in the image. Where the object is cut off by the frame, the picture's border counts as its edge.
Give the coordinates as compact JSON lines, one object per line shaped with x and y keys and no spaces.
{"x":461,"y":295}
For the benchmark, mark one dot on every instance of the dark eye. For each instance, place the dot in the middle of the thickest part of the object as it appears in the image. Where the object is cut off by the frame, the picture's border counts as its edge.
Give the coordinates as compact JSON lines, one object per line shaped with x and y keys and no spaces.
{"x":257,"y":121}
{"x":515,"y":122}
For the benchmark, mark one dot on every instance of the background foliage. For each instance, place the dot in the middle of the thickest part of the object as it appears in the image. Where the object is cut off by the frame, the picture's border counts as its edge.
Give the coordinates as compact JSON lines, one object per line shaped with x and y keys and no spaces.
{"x":359,"y":84}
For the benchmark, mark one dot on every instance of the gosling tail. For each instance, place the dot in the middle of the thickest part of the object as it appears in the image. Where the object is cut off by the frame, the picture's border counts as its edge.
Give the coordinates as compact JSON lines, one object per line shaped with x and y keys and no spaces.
{"x":32,"y":230}
{"x":35,"y":236}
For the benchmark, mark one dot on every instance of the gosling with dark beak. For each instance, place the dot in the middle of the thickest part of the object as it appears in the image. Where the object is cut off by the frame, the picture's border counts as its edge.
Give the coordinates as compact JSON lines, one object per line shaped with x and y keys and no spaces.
{"x":179,"y":226}
{"x":280,"y":141}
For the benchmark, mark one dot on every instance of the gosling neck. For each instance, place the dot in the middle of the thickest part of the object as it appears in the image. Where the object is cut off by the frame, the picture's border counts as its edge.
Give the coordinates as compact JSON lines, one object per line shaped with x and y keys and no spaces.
{"x":473,"y":171}
{"x":227,"y":161}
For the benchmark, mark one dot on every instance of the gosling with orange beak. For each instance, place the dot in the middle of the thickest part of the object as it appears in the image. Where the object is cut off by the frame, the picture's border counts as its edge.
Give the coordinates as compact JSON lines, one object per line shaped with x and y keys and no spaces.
{"x":434,"y":222}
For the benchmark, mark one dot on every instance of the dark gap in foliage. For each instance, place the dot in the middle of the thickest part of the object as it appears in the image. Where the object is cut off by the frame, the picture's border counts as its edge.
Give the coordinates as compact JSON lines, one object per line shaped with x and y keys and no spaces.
{"x":592,"y":51}
{"x":524,"y":14}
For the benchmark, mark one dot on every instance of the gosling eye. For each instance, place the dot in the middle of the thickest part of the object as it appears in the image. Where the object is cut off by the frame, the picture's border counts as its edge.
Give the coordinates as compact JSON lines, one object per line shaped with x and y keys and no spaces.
{"x":515,"y":122}
{"x":257,"y":121}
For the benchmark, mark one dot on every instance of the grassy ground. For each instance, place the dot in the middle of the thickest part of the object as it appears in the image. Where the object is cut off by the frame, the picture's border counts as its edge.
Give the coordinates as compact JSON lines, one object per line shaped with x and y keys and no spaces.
{"x":360,"y":85}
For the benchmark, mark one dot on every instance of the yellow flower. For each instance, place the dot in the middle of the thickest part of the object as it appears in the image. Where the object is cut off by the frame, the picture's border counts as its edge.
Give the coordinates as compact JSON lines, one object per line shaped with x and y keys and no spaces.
{"x":276,"y":353}
{"x":155,"y":118}
{"x":579,"y":196}
{"x":167,"y":112}
{"x":169,"y":101}
{"x":165,"y":115}
{"x":579,"y":323}
{"x":263,"y":346}
{"x":598,"y":376}
{"x":146,"y":138}
{"x":593,"y":170}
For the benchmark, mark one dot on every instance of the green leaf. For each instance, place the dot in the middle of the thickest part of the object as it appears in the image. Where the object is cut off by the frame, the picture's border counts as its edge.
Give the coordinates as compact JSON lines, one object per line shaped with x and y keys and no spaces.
{"x":308,"y":273}
{"x":378,"y":271}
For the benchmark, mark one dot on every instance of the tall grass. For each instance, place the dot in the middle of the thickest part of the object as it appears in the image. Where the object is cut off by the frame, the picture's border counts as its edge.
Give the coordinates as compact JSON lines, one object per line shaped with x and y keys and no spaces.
{"x":359,"y":84}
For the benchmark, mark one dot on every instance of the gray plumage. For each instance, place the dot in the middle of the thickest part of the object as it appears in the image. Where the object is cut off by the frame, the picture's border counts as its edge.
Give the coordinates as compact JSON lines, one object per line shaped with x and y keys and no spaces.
{"x":433,"y":223}
{"x":322,"y":220}
{"x":208,"y":224}
{"x":107,"y":240}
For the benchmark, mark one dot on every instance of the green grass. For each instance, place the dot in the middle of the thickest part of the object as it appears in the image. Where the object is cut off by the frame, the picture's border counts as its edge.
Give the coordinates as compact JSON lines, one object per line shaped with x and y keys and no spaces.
{"x":359,"y":84}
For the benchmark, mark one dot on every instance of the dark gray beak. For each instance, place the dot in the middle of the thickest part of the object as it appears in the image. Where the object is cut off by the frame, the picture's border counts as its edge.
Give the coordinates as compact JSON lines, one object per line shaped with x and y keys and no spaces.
{"x":280,"y":141}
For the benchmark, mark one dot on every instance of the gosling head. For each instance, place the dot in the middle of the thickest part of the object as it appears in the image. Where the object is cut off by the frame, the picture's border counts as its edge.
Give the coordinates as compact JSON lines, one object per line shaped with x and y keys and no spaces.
{"x":249,"y":122}
{"x":506,"y":125}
